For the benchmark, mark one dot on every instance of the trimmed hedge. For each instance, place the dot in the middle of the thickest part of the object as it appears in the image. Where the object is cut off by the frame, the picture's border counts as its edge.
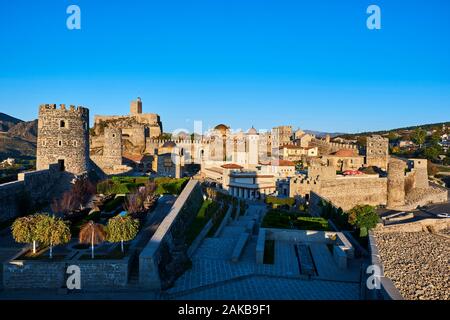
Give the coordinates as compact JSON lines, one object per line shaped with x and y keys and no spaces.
{"x":170,"y":185}
{"x":288,"y":220}
{"x":280,"y":201}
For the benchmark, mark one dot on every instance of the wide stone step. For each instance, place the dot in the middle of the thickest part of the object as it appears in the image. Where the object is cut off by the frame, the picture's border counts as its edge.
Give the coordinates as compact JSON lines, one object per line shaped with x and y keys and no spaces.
{"x":215,"y":248}
{"x":323,"y":259}
{"x":239,"y":247}
{"x":232,"y":231}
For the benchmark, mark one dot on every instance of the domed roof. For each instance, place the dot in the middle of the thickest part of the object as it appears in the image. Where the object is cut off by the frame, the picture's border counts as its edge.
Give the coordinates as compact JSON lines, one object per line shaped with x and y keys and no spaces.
{"x":221,"y":128}
{"x":252,"y":130}
{"x":169,"y":145}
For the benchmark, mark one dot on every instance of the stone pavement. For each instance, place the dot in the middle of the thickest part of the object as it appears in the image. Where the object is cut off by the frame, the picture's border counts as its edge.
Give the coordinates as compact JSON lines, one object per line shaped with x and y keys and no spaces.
{"x":271,"y":288}
{"x":214,"y":276}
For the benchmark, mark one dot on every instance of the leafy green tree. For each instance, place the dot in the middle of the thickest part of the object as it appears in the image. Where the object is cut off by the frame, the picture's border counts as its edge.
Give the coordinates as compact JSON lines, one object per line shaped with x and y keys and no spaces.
{"x":122,"y":229}
{"x":363,"y":217}
{"x":432,"y":152}
{"x":419,"y":136}
{"x":24,"y":229}
{"x":92,"y":233}
{"x":52,"y":231}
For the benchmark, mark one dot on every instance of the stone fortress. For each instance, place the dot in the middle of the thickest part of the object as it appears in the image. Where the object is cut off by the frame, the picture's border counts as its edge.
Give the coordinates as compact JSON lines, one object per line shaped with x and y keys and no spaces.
{"x":245,"y":164}
{"x":390,"y":182}
{"x":255,"y":164}
{"x":63,"y":138}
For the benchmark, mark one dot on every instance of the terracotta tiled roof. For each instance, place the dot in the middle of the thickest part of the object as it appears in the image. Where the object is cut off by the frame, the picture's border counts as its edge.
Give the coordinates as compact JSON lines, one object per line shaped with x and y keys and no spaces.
{"x":345,"y":153}
{"x":283,"y":163}
{"x":231,"y":166}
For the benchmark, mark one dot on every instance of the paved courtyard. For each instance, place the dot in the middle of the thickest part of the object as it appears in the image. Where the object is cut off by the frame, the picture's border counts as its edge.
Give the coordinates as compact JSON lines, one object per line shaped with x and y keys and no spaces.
{"x":271,"y":288}
{"x":214,"y":276}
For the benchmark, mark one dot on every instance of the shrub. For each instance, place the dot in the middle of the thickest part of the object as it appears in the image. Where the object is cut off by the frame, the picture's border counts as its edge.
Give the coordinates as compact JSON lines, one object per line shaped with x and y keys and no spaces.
{"x":25,"y":229}
{"x":52,"y":231}
{"x":166,"y":185}
{"x":120,"y":229}
{"x":363,"y":217}
{"x":280,"y":201}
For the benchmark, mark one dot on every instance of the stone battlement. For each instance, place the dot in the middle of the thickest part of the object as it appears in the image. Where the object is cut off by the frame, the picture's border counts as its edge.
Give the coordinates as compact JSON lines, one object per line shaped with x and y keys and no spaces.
{"x":178,"y":141}
{"x":62,"y":107}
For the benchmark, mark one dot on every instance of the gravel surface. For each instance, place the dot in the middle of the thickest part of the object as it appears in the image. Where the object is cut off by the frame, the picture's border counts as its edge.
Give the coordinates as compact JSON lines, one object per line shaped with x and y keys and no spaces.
{"x":418,"y":263}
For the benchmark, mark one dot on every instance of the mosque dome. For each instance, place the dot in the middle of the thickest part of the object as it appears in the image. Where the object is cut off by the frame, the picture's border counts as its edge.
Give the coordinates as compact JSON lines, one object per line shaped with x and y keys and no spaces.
{"x":252,"y":130}
{"x":223,"y":129}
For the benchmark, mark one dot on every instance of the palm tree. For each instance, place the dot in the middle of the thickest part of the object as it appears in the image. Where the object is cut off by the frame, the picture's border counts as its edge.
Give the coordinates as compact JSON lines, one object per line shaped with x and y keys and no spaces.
{"x":92,"y":233}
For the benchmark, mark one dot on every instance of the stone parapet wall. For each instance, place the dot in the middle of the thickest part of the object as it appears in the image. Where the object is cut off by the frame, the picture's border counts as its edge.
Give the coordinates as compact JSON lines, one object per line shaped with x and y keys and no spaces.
{"x":95,"y":274}
{"x":33,"y":274}
{"x":31,"y":188}
{"x":387,"y":289}
{"x":436,"y":225}
{"x":347,"y":192}
{"x":161,"y":261}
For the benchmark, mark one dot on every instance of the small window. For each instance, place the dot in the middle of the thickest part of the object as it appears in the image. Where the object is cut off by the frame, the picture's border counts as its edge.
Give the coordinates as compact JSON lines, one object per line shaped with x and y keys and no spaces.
{"x":60,"y":143}
{"x":75,"y":143}
{"x":44,"y":143}
{"x":113,"y":135}
{"x":62,"y":124}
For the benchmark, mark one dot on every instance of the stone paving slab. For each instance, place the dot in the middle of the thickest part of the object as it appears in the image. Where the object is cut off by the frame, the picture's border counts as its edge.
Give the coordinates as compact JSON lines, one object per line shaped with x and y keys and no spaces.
{"x":206,"y":272}
{"x":215,"y":248}
{"x":269,"y":288}
{"x":232,"y":231}
{"x":286,"y":261}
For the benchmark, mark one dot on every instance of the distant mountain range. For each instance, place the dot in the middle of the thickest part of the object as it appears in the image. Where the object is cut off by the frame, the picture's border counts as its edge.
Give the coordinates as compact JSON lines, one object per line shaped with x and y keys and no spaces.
{"x":17,"y":137}
{"x":7,"y":122}
{"x":321,"y":134}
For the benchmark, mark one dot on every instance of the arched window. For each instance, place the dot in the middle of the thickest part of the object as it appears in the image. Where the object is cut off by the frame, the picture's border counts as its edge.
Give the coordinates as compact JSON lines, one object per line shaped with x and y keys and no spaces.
{"x":62,"y":124}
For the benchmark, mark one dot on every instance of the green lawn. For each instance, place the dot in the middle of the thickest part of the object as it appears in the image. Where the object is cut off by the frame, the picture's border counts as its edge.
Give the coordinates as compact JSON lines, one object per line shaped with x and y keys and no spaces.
{"x":200,"y":221}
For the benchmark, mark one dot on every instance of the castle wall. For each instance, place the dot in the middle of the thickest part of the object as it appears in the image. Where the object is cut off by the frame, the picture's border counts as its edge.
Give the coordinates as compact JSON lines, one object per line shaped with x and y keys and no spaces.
{"x":347,"y":192}
{"x":377,"y":152}
{"x":30,"y":189}
{"x":419,"y":170}
{"x":112,"y":150}
{"x":63,"y":135}
{"x":396,"y":184}
{"x":325,"y":148}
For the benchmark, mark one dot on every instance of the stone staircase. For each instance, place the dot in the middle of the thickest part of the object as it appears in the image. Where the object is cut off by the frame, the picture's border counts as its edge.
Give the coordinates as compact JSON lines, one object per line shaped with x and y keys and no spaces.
{"x":227,"y":256}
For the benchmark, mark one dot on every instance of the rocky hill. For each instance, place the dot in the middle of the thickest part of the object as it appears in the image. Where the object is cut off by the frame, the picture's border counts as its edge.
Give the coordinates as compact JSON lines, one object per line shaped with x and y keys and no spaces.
{"x":26,"y":130}
{"x":19,"y":138}
{"x":6,"y":122}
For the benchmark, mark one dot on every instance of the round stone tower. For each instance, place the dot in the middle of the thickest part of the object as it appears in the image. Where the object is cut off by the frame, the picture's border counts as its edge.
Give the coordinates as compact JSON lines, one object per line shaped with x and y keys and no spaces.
{"x":63,"y":138}
{"x":396,"y":184}
{"x":112,"y":150}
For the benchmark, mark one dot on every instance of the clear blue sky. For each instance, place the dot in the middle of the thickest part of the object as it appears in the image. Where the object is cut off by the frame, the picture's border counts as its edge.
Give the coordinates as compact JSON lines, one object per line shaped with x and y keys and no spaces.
{"x":312,"y":64}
